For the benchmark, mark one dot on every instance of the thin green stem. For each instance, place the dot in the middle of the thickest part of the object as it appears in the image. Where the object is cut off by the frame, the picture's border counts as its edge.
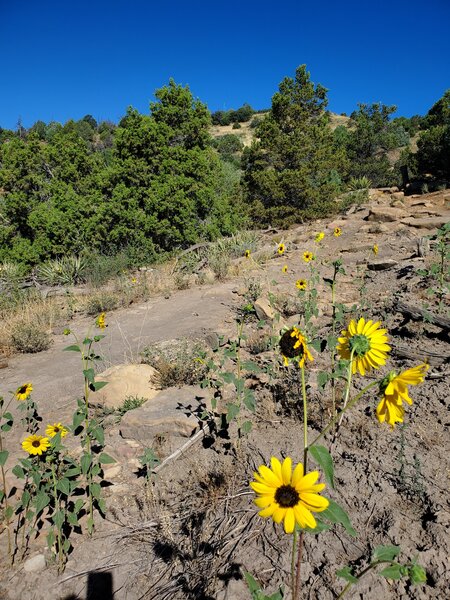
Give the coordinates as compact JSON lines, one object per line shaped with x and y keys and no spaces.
{"x":350,"y":404}
{"x":305,"y":420}
{"x":363,"y":572}
{"x":349,"y":381}
{"x":5,"y":492}
{"x":55,"y":494}
{"x":294,"y":548}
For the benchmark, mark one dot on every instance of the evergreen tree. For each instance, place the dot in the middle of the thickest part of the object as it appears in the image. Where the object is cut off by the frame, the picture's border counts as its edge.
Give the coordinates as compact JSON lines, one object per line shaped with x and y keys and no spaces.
{"x":291,"y":169}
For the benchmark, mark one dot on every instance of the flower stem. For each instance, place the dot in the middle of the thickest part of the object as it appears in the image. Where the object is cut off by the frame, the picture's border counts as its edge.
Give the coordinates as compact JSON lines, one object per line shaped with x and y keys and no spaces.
{"x":5,"y":492}
{"x":55,"y":493}
{"x":347,"y":389}
{"x":350,"y":404}
{"x":294,"y":548}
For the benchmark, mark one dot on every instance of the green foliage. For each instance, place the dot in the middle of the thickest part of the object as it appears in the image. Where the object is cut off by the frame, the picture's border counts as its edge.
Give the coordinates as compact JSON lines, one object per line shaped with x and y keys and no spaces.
{"x":130,"y":403}
{"x":433,"y":151}
{"x":241,"y":115}
{"x":289,"y":166}
{"x":68,"y":270}
{"x":370,"y":137}
{"x":177,"y":363}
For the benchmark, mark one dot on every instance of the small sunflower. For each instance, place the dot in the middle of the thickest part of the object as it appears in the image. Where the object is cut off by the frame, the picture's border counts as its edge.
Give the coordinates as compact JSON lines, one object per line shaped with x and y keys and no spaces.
{"x":23,"y":391}
{"x":375,"y":249}
{"x":56,"y":428}
{"x":67,"y":331}
{"x":368,"y":344}
{"x":35,"y":444}
{"x":101,"y":321}
{"x":247,"y":254}
{"x":319,"y":237}
{"x":288,"y":496}
{"x":281,"y":248}
{"x":308,"y":256}
{"x":293,"y":345}
{"x":133,"y":280}
{"x":394,"y":389}
{"x":284,"y":269}
{"x":337,"y":232}
{"x":301,"y":284}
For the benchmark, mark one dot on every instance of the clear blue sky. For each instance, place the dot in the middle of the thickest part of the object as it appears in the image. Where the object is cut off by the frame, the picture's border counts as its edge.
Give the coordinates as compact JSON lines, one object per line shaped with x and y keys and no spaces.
{"x":63,"y":59}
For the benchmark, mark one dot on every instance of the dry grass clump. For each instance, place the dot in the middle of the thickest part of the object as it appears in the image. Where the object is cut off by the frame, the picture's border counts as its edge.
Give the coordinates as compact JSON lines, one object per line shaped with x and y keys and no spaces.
{"x":30,"y":338}
{"x":177,"y":363}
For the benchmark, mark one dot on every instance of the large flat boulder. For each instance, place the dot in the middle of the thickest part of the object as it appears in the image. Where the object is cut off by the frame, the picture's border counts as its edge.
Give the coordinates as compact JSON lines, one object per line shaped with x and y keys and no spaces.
{"x":427,"y":222}
{"x":125,"y":381}
{"x":383,"y":214}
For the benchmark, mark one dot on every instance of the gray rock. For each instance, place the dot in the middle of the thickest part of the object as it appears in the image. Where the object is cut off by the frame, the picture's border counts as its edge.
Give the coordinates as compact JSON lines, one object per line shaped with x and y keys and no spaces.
{"x":382,"y":265}
{"x":35,"y":564}
{"x":427,"y":222}
{"x":170,"y":413}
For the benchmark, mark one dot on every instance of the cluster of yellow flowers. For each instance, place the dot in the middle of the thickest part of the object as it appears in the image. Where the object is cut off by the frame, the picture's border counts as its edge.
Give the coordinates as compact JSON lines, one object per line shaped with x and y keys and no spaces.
{"x":37,"y":444}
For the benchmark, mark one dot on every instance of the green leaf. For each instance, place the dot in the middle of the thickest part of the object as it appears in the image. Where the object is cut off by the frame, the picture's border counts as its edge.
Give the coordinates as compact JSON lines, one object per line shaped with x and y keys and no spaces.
{"x":8,"y":512}
{"x":105,"y":459}
{"x":249,"y":400}
{"x":392,"y":572}
{"x":90,"y":525}
{"x":97,"y":338}
{"x":332,"y":341}
{"x":102,"y":506}
{"x":250,"y":366}
{"x":385,"y":553}
{"x":85,"y":462}
{"x":78,"y":505}
{"x":89,"y":375}
{"x":232,"y":411}
{"x":322,"y":378}
{"x":87,"y":341}
{"x":246,"y":427}
{"x":59,"y":518}
{"x":227,"y":377}
{"x":321,"y":455}
{"x":63,"y":486}
{"x":95,"y":490}
{"x":99,"y":435}
{"x":319,"y":528}
{"x":67,"y":545}
{"x":251,"y":582}
{"x":51,"y":538}
{"x":346,"y":573}
{"x":41,"y":500}
{"x":317,"y":345}
{"x":18,"y":472}
{"x":73,"y":348}
{"x":97,"y":385}
{"x":78,"y":418}
{"x":72,"y":518}
{"x":3,"y":457}
{"x":417,"y":574}
{"x":336,"y":514}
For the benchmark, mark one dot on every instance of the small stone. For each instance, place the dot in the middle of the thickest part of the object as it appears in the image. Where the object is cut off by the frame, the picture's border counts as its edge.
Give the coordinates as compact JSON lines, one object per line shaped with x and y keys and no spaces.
{"x":112,"y":471}
{"x":35,"y":564}
{"x":382,"y":265}
{"x":263,"y":309}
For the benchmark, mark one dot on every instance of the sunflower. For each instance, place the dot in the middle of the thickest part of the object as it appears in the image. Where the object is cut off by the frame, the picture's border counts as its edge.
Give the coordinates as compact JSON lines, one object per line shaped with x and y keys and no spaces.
{"x":247,"y":254}
{"x":100,"y":321}
{"x":35,"y":444}
{"x":281,"y":249}
{"x":394,"y":389}
{"x":23,"y":391}
{"x":301,"y":284}
{"x":308,"y":256}
{"x":319,"y":237}
{"x":368,"y":344}
{"x":337,"y":231}
{"x":288,"y":496}
{"x":375,"y":249}
{"x":284,"y":269}
{"x":293,"y":345}
{"x":56,"y":428}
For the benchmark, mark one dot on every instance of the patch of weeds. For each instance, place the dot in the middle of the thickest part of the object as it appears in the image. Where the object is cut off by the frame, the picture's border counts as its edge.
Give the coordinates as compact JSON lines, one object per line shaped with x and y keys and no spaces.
{"x":30,"y":338}
{"x":411,"y":481}
{"x":254,"y":290}
{"x":102,"y":269}
{"x":258,"y":342}
{"x":177,"y":363}
{"x":130,"y":403}
{"x":287,"y":305}
{"x":68,"y":270}
{"x":101,"y":302}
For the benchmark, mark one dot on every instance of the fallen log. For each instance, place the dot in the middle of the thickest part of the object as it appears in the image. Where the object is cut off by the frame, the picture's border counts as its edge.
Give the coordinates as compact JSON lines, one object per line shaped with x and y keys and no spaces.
{"x":419,"y":314}
{"x":433,"y":358}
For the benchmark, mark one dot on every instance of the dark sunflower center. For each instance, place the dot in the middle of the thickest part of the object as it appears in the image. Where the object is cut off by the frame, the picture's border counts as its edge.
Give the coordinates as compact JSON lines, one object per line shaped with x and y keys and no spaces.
{"x":359,"y":344}
{"x":56,"y":429}
{"x":286,"y":496}
{"x":287,"y":343}
{"x":23,"y":389}
{"x":35,"y":443}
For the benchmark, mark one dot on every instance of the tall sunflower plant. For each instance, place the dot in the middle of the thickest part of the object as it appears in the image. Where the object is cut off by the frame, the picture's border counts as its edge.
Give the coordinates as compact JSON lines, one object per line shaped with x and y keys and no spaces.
{"x":292,"y":496}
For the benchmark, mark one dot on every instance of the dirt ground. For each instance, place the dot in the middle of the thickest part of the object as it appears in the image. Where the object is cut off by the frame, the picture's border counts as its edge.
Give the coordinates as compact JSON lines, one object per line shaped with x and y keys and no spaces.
{"x":194,"y":531}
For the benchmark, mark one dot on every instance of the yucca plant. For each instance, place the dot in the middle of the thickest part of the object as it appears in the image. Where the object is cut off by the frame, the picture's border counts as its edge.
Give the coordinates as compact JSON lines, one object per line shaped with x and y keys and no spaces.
{"x":68,"y":270}
{"x":359,"y":183}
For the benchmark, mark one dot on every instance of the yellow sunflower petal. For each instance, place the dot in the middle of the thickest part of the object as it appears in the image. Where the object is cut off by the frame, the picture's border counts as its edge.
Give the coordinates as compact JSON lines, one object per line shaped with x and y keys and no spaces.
{"x":289,"y":520}
{"x":278,"y":514}
{"x":286,"y":470}
{"x":269,"y":476}
{"x":314,"y":501}
{"x":297,"y":475}
{"x":307,"y":481}
{"x":304,"y":517}
{"x":261,"y":488}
